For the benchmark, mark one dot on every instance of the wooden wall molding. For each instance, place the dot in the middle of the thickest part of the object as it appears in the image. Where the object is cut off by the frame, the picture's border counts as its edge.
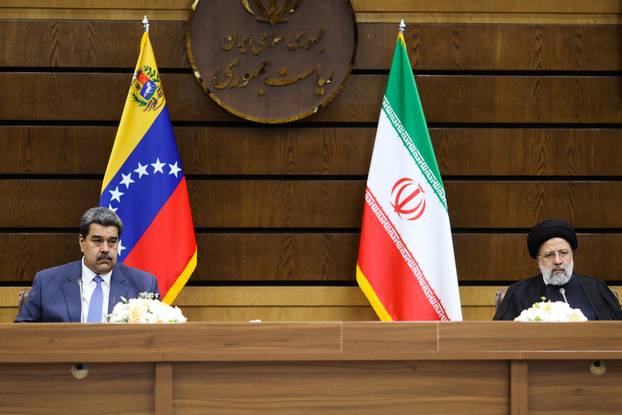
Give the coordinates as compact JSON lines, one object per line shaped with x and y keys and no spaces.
{"x":445,"y":11}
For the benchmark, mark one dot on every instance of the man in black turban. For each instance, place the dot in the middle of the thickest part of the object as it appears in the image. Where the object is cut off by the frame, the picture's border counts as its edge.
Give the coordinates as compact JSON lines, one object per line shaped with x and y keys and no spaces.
{"x":552,"y":243}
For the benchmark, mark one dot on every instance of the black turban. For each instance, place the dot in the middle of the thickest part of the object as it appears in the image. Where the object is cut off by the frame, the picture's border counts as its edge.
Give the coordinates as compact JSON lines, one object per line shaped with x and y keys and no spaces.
{"x":550,"y":228}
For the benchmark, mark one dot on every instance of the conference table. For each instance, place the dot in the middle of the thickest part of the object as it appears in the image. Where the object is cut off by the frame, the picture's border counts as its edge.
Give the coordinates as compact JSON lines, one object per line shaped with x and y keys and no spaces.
{"x":328,"y":367}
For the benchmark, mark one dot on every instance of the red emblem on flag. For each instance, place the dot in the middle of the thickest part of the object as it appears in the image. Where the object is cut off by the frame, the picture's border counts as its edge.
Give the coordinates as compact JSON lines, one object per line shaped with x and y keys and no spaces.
{"x":408,"y":199}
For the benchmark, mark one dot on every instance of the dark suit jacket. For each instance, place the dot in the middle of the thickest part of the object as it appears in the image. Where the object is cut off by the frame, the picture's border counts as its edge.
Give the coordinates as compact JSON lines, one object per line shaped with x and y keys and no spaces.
{"x":55,"y":293}
{"x":525,"y":293}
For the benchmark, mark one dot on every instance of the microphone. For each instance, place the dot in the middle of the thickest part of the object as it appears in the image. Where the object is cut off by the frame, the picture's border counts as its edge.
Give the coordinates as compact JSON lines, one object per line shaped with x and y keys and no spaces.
{"x":562,"y":291}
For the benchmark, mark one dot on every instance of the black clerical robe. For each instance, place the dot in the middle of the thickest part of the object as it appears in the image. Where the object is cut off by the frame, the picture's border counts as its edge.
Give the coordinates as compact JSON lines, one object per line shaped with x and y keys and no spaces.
{"x":525,"y":293}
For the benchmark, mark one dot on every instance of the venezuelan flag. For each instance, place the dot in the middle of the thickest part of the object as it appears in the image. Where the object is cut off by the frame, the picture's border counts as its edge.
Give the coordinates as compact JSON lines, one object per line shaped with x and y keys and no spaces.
{"x":145,"y":184}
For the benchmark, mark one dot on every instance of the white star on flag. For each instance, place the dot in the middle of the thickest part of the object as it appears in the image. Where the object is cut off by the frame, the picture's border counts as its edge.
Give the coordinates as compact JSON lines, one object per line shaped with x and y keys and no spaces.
{"x":121,"y":247}
{"x":112,"y":208}
{"x":174,"y":169}
{"x":116,"y":194}
{"x":157,"y":166}
{"x":141,"y":170}
{"x":127,"y":180}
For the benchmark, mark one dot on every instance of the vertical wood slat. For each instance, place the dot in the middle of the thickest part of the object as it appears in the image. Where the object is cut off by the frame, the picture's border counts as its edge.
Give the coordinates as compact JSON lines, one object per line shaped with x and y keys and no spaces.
{"x":518,"y":387}
{"x":163,"y":390}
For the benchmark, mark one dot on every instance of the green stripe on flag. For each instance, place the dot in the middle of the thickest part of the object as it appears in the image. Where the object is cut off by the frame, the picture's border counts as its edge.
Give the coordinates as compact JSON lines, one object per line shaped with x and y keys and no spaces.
{"x":402,"y":106}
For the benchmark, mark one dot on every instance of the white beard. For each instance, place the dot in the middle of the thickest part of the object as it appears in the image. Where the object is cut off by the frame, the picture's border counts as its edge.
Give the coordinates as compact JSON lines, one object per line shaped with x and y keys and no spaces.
{"x":557,"y":278}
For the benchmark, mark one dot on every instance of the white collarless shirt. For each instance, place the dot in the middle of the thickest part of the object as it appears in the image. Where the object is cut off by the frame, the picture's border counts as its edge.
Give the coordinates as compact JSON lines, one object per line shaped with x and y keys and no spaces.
{"x":88,"y":286}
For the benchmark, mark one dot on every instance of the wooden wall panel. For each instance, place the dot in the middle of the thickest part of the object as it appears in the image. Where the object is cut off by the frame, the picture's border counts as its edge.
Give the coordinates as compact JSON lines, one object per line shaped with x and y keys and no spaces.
{"x":533,"y":47}
{"x":571,"y":6}
{"x":465,"y":99}
{"x":494,"y":46}
{"x":566,"y":6}
{"x":528,"y":151}
{"x":104,"y":4}
{"x":7,"y":315}
{"x":286,"y":257}
{"x":472,"y":11}
{"x":80,"y":44}
{"x":322,"y":151}
{"x":508,"y":204}
{"x":282,"y":303}
{"x":325,"y":204}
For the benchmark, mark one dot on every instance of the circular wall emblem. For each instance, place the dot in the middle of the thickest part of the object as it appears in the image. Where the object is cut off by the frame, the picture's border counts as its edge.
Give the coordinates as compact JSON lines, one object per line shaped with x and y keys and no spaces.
{"x":272,"y":61}
{"x":408,"y":199}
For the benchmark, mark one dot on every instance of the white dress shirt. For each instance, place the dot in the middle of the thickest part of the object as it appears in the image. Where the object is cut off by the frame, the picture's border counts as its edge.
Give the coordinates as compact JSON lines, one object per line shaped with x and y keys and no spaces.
{"x":88,"y":286}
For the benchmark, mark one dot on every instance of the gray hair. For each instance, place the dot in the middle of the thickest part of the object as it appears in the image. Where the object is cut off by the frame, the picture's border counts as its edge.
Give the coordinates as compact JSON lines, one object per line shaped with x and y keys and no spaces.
{"x":101,"y":216}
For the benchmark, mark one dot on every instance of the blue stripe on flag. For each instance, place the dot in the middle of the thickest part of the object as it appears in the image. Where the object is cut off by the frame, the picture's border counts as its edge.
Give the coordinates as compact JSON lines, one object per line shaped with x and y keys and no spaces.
{"x":144,"y":198}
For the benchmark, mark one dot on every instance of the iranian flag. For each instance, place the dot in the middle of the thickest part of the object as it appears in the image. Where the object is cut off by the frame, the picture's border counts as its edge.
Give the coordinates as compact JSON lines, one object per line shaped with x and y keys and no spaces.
{"x":406,"y":264}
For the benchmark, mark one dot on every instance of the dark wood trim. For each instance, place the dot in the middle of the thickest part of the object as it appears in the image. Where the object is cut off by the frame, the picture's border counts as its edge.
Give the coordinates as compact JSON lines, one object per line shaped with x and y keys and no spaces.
{"x":518,"y":388}
{"x":163,"y":392}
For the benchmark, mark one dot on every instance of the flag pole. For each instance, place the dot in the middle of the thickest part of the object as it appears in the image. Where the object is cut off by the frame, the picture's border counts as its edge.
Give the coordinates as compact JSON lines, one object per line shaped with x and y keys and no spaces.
{"x":402,"y":26}
{"x":146,"y":24}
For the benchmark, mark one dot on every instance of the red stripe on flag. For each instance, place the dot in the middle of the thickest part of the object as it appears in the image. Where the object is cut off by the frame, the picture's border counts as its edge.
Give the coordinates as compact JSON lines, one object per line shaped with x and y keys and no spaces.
{"x":168,"y":244}
{"x":390,"y":276}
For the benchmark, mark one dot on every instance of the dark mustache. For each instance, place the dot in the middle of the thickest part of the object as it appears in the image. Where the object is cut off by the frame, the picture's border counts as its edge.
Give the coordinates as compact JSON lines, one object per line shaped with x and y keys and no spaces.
{"x":104,"y":256}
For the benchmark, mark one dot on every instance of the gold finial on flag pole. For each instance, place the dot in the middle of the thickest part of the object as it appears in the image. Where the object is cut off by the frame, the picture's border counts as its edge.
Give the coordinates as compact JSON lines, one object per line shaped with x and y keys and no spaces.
{"x":146,"y":24}
{"x":402,"y":26}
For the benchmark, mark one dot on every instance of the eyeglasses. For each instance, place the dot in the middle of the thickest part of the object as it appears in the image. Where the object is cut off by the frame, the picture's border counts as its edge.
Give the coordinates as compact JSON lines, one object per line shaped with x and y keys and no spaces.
{"x":549,"y":256}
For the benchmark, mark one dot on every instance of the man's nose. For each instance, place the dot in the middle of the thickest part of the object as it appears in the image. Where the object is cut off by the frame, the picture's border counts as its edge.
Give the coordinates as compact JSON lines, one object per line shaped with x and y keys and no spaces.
{"x":558,"y":258}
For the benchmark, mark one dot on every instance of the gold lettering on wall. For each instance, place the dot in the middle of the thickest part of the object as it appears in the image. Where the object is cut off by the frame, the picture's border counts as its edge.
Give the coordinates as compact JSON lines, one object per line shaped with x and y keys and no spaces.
{"x":287,"y":54}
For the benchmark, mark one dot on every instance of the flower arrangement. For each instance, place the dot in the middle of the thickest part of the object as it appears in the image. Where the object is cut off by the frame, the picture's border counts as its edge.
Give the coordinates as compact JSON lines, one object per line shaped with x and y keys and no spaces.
{"x":552,"y":311}
{"x":145,"y":309}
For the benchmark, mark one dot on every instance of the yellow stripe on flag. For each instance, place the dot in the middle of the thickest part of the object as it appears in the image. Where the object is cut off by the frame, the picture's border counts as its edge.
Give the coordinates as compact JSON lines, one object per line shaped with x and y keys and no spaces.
{"x":180,"y":282}
{"x":134,"y":122}
{"x":371,"y":296}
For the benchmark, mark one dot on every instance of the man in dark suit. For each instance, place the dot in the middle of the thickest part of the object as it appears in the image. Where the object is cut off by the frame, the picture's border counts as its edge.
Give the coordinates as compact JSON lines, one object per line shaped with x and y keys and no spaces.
{"x":87,"y":290}
{"x":552,"y":244}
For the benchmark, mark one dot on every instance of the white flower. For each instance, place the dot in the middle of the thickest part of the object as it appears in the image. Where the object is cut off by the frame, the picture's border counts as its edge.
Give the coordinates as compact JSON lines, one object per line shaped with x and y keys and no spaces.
{"x":145,"y":309}
{"x":551,"y":311}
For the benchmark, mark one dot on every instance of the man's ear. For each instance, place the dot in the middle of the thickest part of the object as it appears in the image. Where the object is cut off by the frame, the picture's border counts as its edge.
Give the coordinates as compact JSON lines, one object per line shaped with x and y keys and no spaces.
{"x":81,"y":241}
